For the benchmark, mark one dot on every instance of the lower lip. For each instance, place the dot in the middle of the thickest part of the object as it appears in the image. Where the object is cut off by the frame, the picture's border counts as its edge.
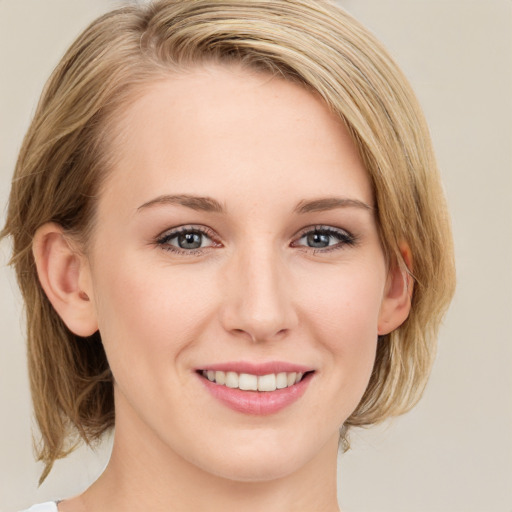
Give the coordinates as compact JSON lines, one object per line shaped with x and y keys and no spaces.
{"x":260,"y":403}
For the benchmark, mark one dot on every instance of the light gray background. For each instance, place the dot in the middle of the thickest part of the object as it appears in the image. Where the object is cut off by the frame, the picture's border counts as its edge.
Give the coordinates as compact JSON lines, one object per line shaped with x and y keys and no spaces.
{"x":453,"y":453}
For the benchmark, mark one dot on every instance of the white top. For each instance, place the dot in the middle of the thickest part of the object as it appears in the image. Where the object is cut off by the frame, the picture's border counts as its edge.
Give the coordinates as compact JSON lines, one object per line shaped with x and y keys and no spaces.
{"x":49,"y":506}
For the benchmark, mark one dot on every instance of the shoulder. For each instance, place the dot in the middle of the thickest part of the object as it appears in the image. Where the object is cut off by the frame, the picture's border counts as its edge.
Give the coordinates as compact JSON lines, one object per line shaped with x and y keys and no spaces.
{"x":49,"y":506}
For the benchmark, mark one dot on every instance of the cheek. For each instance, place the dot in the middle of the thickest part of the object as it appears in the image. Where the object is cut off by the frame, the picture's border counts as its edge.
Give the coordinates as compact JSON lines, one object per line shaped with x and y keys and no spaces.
{"x":343,"y":318}
{"x":346,"y":301}
{"x":147,"y":314}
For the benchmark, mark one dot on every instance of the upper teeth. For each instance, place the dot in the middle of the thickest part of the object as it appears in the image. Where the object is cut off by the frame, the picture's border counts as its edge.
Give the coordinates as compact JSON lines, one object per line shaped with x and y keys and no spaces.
{"x":249,"y":382}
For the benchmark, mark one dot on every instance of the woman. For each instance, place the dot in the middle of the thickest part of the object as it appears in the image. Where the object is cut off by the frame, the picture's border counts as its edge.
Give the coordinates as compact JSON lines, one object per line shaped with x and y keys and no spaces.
{"x":232,"y":242}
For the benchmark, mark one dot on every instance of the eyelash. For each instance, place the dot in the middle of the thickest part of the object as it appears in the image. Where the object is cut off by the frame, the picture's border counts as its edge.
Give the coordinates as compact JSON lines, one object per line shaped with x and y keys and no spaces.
{"x":165,"y":238}
{"x":344,"y":239}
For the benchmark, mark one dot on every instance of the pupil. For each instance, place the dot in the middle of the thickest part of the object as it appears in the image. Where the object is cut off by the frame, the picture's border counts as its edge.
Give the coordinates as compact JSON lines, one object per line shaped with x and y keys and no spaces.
{"x":189,"y":241}
{"x":318,"y":240}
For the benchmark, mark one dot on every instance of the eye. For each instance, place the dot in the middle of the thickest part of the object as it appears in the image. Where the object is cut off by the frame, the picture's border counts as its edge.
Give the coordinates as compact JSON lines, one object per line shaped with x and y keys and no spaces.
{"x":324,"y":238}
{"x":187,"y":239}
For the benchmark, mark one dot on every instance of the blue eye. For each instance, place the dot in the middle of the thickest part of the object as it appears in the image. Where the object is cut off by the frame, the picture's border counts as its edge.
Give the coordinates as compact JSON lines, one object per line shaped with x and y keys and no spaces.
{"x":185,"y":239}
{"x":191,"y":240}
{"x":321,"y":237}
{"x":194,"y":239}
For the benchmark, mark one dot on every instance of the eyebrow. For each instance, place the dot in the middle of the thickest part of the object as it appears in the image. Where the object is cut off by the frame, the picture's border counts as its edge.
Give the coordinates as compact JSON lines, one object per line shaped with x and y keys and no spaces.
{"x":330,"y":203}
{"x":205,"y":204}
{"x":208,"y":204}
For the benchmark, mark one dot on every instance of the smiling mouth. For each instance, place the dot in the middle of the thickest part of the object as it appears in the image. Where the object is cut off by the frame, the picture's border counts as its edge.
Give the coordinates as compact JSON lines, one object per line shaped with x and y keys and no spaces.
{"x":250,"y":382}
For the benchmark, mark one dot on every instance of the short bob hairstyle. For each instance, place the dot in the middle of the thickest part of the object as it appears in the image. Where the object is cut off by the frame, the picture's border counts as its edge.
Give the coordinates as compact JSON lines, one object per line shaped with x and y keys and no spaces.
{"x":65,"y":157}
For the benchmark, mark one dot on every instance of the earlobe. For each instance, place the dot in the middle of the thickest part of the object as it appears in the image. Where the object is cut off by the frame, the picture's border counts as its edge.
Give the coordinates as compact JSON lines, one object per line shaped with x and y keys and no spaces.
{"x":64,"y":275}
{"x":396,"y":303}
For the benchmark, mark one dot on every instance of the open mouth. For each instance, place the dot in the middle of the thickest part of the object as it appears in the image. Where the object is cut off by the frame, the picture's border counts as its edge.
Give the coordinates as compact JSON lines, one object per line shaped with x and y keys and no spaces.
{"x":250,"y":382}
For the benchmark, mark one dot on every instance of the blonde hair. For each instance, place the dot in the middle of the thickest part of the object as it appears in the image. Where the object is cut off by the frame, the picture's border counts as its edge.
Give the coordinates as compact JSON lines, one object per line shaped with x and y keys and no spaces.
{"x":65,"y":157}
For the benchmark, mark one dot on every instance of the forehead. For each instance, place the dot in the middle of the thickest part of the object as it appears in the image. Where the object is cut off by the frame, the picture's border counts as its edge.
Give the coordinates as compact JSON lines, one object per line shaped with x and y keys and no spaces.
{"x":213,"y":129}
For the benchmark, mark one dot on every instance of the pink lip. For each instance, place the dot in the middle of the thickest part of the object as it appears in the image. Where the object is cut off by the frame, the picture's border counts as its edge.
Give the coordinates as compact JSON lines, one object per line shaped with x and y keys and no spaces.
{"x":257,"y":368}
{"x":257,"y":402}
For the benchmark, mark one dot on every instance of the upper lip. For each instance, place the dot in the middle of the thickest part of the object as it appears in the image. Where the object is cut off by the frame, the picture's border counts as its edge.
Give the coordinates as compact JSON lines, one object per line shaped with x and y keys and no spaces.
{"x":252,"y":368}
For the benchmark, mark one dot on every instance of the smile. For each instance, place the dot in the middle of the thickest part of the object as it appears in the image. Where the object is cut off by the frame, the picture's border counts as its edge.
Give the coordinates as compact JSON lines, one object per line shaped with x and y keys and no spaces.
{"x":250,"y":382}
{"x":256,"y":389}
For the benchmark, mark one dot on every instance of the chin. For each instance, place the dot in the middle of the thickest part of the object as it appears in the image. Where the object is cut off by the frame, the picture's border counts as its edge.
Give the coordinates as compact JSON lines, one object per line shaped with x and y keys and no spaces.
{"x":264,"y":459}
{"x":256,"y":470}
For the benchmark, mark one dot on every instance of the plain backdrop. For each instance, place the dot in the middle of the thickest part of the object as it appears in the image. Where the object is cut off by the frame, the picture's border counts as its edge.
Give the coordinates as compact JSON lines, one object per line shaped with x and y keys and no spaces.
{"x":453,"y":452}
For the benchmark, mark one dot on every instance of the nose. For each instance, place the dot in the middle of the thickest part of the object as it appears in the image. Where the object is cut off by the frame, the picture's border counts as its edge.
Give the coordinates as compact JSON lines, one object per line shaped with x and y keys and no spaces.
{"x":258,"y":299}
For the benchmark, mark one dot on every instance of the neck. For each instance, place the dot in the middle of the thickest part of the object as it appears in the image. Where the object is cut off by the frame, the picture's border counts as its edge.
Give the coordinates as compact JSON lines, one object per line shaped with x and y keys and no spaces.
{"x":145,"y":474}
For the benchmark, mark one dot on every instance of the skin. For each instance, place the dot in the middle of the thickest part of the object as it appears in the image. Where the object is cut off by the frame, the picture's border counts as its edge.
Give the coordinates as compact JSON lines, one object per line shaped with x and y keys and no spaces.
{"x":256,"y":291}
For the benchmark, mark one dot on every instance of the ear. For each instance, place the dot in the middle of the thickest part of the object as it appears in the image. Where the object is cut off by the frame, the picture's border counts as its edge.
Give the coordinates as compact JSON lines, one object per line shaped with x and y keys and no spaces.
{"x":65,"y":277}
{"x":396,"y":303}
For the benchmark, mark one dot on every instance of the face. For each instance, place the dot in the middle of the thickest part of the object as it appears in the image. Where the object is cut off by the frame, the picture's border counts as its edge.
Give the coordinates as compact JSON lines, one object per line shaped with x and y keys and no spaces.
{"x":236,"y":273}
